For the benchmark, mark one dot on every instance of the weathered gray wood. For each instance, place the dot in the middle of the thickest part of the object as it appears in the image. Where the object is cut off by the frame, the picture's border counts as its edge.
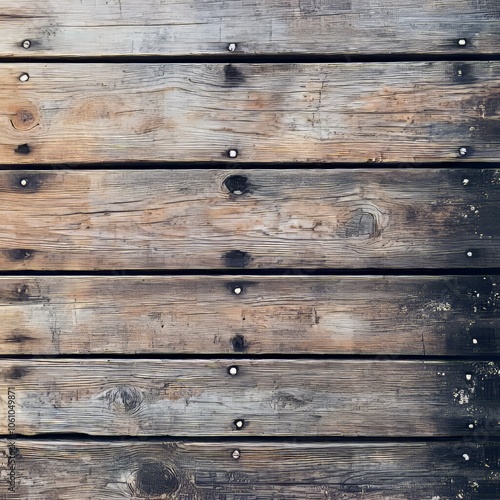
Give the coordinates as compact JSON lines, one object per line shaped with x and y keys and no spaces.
{"x":397,"y":112}
{"x":286,"y":315}
{"x":88,"y":470}
{"x":273,"y":397}
{"x":169,"y":27}
{"x":322,"y":218}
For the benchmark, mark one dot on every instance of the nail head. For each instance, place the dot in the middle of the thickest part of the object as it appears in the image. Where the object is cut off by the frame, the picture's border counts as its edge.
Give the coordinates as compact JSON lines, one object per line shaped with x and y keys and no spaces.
{"x":239,"y":424}
{"x":462,"y":42}
{"x":474,"y":341}
{"x":471,"y":426}
{"x":237,"y":290}
{"x":24,"y":182}
{"x":468,"y":376}
{"x":233,"y":370}
{"x":236,"y":454}
{"x":462,"y":151}
{"x":26,"y":44}
{"x":466,"y":457}
{"x":231,"y":47}
{"x":465,"y":182}
{"x":232,"y":153}
{"x":24,"y":77}
{"x":469,"y":254}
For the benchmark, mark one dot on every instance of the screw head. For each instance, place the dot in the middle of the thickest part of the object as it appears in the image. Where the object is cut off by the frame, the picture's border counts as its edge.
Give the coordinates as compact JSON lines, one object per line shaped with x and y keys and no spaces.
{"x":24,"y":77}
{"x":465,"y":182}
{"x":469,"y":254}
{"x":462,"y":151}
{"x":26,"y":44}
{"x":231,"y":47}
{"x":232,"y":153}
{"x":239,"y":424}
{"x":233,"y":370}
{"x":236,"y":454}
{"x":462,"y":42}
{"x":23,"y":182}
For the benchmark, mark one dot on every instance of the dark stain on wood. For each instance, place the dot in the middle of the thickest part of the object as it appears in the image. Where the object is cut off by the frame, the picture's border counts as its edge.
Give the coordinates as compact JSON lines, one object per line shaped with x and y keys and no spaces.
{"x":28,"y":182}
{"x":244,"y":285}
{"x":485,"y":490}
{"x":489,"y":389}
{"x":487,"y":130}
{"x":239,"y":343}
{"x":124,"y":398}
{"x":16,"y":372}
{"x":18,"y":338}
{"x":156,"y":479}
{"x":463,"y":73}
{"x":22,"y":293}
{"x":20,"y":254}
{"x":233,"y":76}
{"x":491,"y":457}
{"x":237,"y":184}
{"x":237,"y":258}
{"x":483,"y":338}
{"x":23,"y":149}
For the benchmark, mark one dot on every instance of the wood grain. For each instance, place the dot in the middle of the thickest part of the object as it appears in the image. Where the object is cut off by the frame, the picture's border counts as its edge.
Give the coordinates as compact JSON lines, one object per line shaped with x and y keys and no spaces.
{"x":272,"y":397}
{"x":314,"y":218}
{"x":207,"y":471}
{"x":394,"y":112}
{"x":284,"y":315}
{"x":169,"y":27}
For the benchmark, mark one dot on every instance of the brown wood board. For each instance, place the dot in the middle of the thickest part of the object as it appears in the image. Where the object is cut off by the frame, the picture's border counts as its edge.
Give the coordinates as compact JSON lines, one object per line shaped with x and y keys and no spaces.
{"x":110,"y":470}
{"x":305,"y":218}
{"x":294,"y":314}
{"x":267,"y":397}
{"x":409,"y":112}
{"x":85,"y":28}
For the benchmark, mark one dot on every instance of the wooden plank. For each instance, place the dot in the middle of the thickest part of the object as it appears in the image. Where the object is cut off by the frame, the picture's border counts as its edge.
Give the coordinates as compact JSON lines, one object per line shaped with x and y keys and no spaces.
{"x":265,"y":398}
{"x":169,"y":27}
{"x":397,"y":112}
{"x":199,"y":470}
{"x":322,"y":218}
{"x":285,"y":315}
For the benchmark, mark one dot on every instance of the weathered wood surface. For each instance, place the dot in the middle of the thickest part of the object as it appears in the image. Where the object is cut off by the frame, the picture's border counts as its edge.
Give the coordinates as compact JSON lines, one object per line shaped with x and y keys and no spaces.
{"x":322,"y":218}
{"x":153,"y":27}
{"x":89,"y":470}
{"x":272,"y":397}
{"x":453,"y":315}
{"x":397,"y":112}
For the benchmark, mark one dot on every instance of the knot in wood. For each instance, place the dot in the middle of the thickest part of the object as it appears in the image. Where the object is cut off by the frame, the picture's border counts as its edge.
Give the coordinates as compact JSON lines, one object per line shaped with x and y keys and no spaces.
{"x":236,"y":184}
{"x":124,"y":398}
{"x":154,"y":479}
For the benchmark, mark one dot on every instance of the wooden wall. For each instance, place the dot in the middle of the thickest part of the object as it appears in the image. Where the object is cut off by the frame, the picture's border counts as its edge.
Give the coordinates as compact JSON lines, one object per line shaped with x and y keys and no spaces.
{"x":250,"y":250}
